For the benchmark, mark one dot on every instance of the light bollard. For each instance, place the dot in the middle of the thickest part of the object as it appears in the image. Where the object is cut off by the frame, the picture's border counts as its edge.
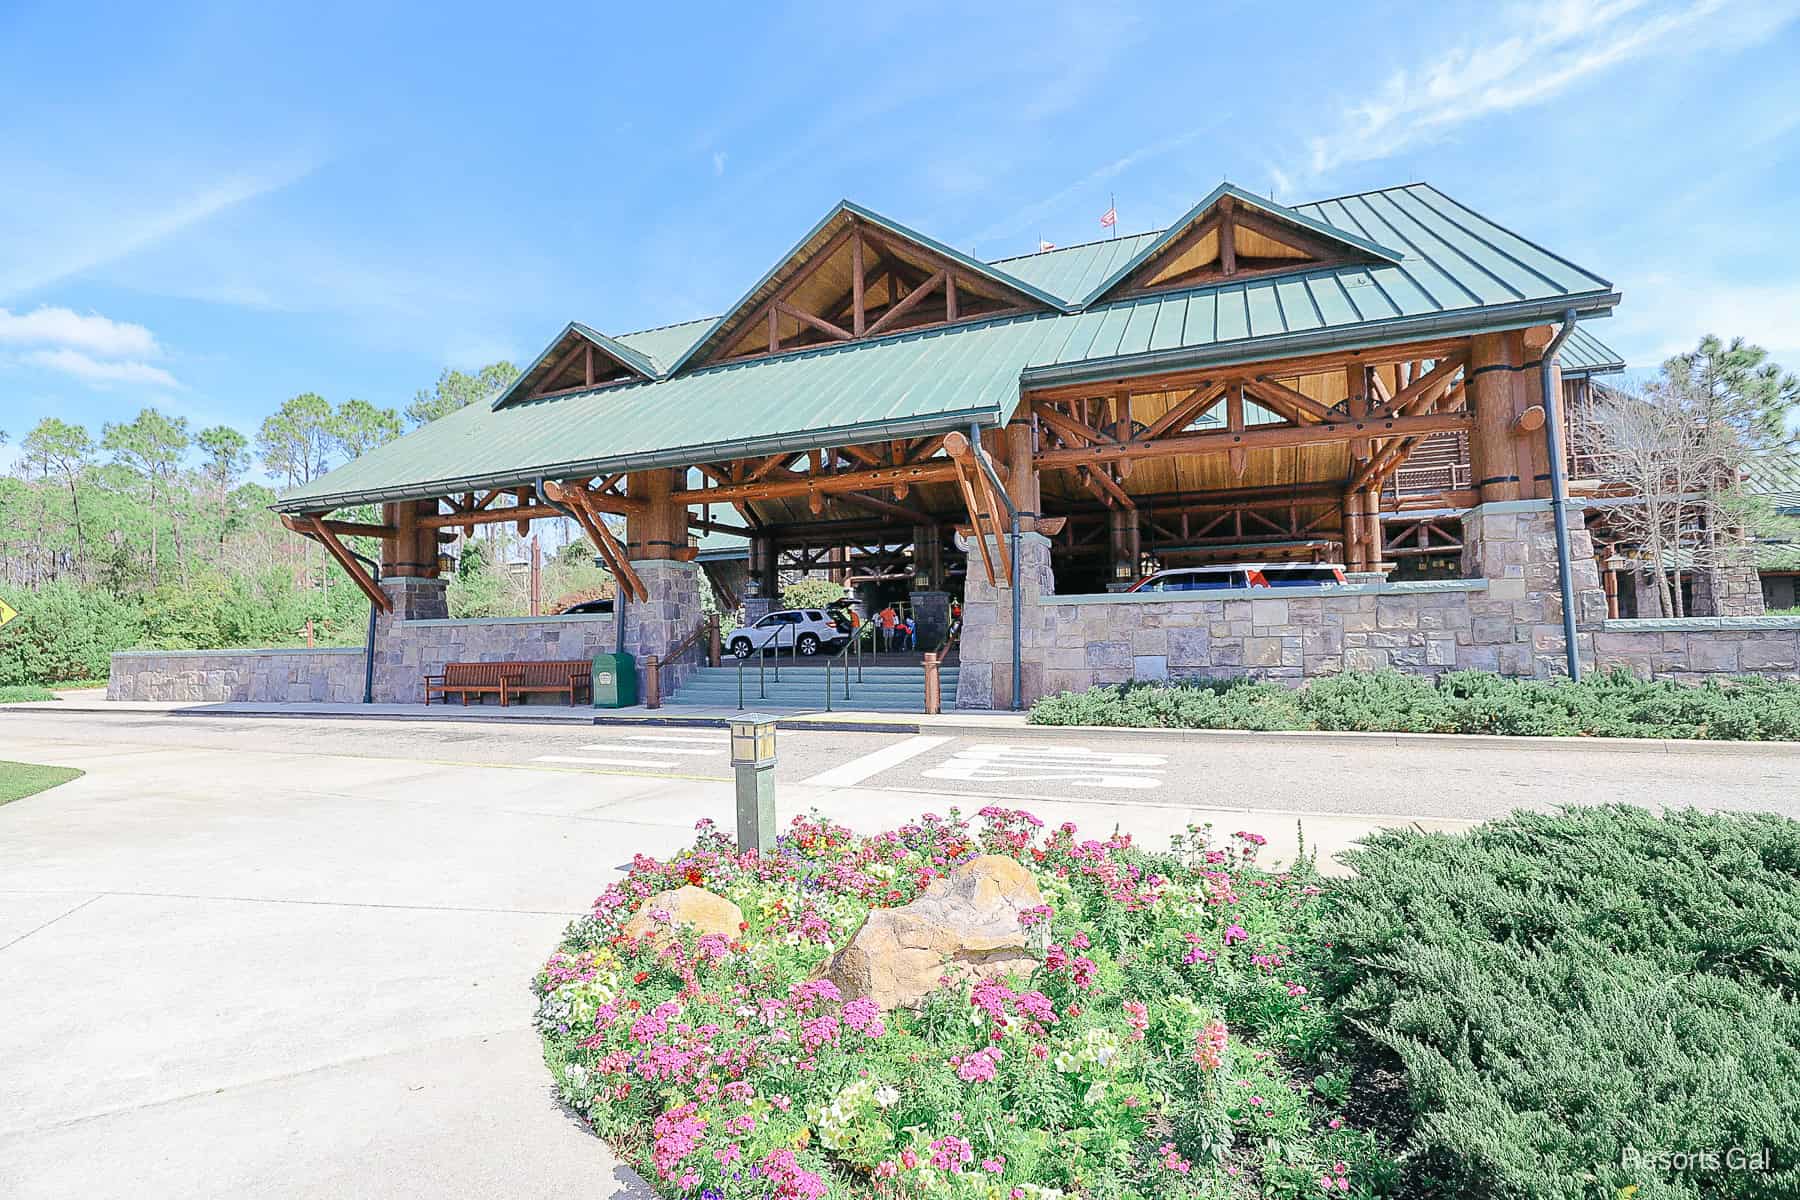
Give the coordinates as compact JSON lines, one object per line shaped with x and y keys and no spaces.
{"x":753,"y":759}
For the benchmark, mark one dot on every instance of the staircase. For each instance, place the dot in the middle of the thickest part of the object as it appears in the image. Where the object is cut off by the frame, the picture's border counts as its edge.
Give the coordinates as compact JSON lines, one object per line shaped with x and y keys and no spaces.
{"x":882,"y":689}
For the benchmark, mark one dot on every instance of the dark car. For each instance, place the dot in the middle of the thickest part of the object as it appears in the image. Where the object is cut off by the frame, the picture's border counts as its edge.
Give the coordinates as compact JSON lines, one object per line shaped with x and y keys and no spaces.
{"x":588,"y":608}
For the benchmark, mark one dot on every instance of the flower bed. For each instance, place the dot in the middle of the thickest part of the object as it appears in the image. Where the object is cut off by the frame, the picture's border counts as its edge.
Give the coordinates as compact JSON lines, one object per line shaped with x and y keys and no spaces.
{"x":1165,"y":1044}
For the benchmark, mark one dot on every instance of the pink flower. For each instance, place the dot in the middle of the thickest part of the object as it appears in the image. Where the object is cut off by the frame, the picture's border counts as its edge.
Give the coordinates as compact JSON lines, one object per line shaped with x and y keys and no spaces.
{"x":1235,"y":933}
{"x":864,"y":1016}
{"x":951,"y":1153}
{"x":1209,"y":1045}
{"x":1138,"y":1017}
{"x":980,"y":1067}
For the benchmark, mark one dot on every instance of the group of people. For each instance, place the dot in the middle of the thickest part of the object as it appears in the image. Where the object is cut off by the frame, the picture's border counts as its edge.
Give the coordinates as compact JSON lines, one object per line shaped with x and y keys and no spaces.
{"x":896,"y":631}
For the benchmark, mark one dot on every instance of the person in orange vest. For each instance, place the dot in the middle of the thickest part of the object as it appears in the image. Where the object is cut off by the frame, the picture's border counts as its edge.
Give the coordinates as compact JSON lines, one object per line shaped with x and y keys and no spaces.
{"x":889,"y":620}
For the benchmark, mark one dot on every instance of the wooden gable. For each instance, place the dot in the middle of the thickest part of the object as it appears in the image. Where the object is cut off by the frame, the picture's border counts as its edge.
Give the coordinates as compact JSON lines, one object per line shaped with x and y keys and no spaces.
{"x":1231,"y":239}
{"x":580,"y":359}
{"x":857,"y":277}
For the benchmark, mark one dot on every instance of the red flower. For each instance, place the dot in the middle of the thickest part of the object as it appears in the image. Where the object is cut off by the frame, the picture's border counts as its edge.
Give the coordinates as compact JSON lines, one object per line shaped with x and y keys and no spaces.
{"x":640,"y":977}
{"x":695,"y":877}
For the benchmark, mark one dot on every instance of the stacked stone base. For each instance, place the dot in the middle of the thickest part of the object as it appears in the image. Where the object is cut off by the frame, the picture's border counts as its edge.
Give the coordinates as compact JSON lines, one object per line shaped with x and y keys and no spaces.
{"x":1506,"y":618}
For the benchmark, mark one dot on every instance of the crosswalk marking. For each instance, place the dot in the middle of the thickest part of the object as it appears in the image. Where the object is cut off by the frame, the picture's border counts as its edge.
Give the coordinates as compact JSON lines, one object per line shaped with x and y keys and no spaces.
{"x":858,"y":769}
{"x":680,"y":739}
{"x":591,"y":760}
{"x":996,"y":763}
{"x":626,"y":748}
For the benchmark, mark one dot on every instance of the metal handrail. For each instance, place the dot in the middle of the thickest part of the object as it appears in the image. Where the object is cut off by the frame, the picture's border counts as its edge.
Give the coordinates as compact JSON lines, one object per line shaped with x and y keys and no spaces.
{"x":853,"y":645}
{"x":762,"y":656}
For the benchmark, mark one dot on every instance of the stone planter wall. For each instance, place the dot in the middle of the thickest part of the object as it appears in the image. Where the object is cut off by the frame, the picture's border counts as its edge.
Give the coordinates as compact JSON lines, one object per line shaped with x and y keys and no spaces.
{"x":293,"y":676}
{"x":1507,"y":620}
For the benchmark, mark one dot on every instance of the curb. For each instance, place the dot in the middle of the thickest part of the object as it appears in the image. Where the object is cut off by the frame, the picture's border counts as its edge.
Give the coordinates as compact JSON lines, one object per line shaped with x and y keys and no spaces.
{"x":828,"y":724}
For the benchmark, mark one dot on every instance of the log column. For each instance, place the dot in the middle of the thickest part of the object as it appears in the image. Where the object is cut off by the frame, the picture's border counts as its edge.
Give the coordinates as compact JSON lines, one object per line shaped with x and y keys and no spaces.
{"x":1355,"y":558}
{"x":658,"y":530}
{"x":1022,"y":474}
{"x":412,"y":551}
{"x":1493,"y":451}
{"x":1127,"y":548}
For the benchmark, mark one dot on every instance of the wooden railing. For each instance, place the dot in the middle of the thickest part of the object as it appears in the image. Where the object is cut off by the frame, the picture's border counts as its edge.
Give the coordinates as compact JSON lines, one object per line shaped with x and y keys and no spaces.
{"x":653,"y":663}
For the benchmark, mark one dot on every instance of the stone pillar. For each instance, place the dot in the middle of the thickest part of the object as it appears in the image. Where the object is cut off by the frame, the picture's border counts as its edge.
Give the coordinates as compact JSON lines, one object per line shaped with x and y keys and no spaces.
{"x":399,"y":667}
{"x":670,"y":614}
{"x":986,"y":656}
{"x":931,"y":612}
{"x":1492,"y":450}
{"x":1513,"y":546}
{"x":1733,"y":589}
{"x":415,"y":599}
{"x":1649,"y":599}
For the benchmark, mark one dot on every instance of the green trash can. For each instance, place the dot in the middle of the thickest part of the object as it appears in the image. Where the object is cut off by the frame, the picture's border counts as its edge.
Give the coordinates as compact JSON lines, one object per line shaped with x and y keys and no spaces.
{"x":615,"y":680}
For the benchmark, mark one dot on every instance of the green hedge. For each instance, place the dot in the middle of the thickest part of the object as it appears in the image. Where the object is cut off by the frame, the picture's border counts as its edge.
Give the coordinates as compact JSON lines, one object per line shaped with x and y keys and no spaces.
{"x":1611,"y":705}
{"x":1574,"y":995}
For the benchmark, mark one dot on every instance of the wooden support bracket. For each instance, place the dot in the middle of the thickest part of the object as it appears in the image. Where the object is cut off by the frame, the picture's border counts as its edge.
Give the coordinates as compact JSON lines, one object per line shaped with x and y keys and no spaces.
{"x":315,"y":527}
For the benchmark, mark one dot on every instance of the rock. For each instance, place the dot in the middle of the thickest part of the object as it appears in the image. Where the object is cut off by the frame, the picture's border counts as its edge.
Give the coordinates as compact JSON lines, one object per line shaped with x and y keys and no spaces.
{"x":965,"y":926}
{"x":687,"y":905}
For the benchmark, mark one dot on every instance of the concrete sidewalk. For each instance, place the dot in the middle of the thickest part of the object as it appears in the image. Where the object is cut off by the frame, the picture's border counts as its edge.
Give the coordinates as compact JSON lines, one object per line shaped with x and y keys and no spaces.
{"x":263,"y":968}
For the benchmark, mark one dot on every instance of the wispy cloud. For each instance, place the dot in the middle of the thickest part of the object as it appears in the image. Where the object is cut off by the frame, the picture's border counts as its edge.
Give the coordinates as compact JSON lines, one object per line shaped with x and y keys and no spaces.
{"x":1563,"y":43}
{"x":90,"y":332}
{"x":79,"y":239}
{"x":1669,"y":311}
{"x":1024,"y":220}
{"x":718,"y":161}
{"x":97,"y":371}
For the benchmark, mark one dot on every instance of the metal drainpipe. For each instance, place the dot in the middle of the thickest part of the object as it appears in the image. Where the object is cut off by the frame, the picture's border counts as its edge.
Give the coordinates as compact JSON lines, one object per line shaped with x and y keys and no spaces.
{"x":1559,"y":492}
{"x":618,"y":585}
{"x":1012,"y":540}
{"x":369,"y":641}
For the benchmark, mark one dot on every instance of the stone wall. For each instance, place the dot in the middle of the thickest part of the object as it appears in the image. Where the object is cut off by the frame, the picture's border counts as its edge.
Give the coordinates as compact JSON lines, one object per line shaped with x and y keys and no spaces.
{"x":416,"y":640}
{"x":1506,"y":618}
{"x":1696,"y":648}
{"x":295,"y":676}
{"x":407,"y":651}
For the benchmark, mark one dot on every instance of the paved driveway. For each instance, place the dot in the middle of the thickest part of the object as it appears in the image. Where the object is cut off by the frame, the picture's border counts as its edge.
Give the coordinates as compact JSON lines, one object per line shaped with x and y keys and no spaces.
{"x":290,"y":958}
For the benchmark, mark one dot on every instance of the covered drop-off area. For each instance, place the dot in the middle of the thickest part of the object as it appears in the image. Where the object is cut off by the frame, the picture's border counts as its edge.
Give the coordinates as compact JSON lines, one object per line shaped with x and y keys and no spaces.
{"x":999,"y":450}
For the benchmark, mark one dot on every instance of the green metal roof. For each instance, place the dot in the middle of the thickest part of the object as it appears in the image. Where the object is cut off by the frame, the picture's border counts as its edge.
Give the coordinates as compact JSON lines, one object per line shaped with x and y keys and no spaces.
{"x":1776,"y":478}
{"x":1457,"y":273}
{"x":1585,"y":355}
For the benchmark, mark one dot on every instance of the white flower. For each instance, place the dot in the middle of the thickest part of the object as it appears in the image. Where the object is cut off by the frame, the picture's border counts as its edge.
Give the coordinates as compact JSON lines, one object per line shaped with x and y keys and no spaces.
{"x":887,"y":1096}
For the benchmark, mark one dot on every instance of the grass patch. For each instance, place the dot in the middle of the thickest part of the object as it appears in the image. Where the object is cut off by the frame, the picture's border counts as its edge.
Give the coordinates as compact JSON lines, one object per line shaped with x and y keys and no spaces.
{"x":21,"y":693}
{"x":19,"y":780}
{"x":1609,"y":705}
{"x":1587,"y":1003}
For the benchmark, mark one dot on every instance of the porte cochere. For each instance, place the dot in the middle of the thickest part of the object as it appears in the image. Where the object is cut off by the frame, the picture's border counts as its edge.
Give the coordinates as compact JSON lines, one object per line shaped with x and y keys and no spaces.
{"x":1359,"y":381}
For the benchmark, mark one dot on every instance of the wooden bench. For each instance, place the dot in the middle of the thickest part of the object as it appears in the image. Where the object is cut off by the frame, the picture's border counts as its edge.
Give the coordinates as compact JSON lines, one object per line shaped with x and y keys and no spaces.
{"x":510,"y":679}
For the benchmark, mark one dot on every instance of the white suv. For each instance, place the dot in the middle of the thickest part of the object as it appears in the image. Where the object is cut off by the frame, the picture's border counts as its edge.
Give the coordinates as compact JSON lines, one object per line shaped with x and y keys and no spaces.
{"x":796,"y":630}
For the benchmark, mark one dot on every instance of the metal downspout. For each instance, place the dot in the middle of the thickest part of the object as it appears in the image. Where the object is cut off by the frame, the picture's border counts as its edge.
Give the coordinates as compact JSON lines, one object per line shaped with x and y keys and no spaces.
{"x":369,"y":641}
{"x":1012,"y":541}
{"x":1559,"y":491}
{"x":618,"y":591}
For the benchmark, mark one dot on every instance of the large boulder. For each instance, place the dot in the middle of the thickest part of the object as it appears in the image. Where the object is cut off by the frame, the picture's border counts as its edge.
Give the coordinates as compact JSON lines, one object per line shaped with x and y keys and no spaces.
{"x":685,"y":905}
{"x":965,"y":926}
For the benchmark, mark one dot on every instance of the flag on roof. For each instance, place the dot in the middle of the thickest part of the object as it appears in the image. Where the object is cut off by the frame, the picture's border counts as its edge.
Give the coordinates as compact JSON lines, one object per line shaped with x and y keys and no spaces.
{"x":1110,"y":217}
{"x":1043,"y":245}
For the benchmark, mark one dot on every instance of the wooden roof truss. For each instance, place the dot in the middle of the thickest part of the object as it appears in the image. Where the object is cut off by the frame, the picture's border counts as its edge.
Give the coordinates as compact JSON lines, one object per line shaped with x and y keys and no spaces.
{"x":1235,"y":241}
{"x":863,"y":282}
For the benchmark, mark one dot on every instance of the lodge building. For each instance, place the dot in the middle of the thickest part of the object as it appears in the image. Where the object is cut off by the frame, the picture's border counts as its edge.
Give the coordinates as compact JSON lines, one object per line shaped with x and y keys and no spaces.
{"x":1375,"y":380}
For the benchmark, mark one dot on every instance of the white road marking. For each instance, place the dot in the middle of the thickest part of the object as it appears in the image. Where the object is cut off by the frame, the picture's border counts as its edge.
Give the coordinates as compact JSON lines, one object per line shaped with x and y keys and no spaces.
{"x":858,"y":769}
{"x":994,"y":763}
{"x":680,"y":739}
{"x":626,"y":748}
{"x":603,"y":762}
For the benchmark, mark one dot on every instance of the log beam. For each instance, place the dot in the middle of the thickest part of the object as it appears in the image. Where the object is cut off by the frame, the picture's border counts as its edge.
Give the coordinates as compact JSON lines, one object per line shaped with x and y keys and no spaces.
{"x":1254,"y":439}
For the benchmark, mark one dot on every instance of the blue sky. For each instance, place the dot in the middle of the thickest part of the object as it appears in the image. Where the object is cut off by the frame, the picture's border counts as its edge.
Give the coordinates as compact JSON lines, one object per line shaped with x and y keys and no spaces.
{"x":210,"y":208}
